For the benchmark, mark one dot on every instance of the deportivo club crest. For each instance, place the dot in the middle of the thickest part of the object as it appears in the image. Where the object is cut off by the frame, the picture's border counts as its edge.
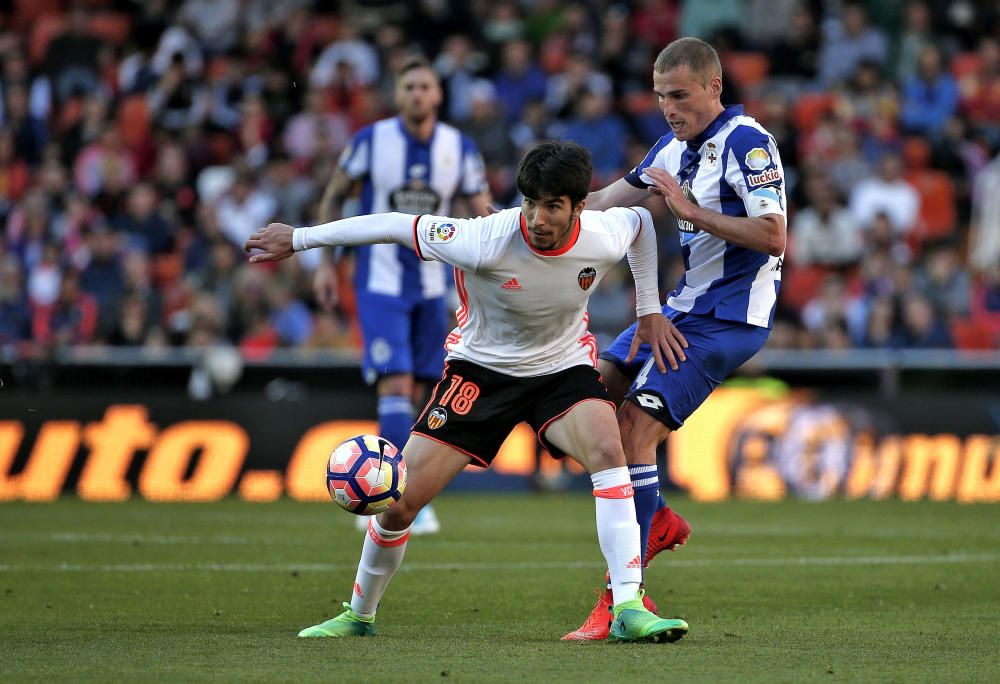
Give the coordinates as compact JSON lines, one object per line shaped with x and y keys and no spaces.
{"x":586,"y":277}
{"x":711,"y":155}
{"x":436,"y":418}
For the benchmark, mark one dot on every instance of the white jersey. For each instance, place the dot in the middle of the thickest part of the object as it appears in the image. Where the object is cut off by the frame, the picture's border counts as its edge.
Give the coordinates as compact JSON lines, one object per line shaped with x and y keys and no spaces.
{"x":524,"y":311}
{"x":733,"y":167}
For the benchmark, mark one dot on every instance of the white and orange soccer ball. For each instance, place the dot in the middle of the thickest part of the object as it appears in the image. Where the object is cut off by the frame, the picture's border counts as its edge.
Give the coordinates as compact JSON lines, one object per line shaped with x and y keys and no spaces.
{"x":366,"y":475}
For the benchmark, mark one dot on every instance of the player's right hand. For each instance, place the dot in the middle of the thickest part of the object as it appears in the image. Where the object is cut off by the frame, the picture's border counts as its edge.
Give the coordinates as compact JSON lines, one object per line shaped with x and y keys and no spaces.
{"x":325,"y":286}
{"x":667,"y":343}
{"x":274,"y":241}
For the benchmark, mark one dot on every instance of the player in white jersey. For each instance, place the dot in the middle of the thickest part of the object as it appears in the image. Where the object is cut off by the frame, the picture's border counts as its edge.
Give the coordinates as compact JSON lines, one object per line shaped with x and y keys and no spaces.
{"x":413,"y":164}
{"x":521,"y":352}
{"x":719,"y":172}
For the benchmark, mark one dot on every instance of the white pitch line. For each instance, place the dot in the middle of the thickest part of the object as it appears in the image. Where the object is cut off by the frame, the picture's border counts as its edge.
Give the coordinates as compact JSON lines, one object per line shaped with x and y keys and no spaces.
{"x":500,"y":566}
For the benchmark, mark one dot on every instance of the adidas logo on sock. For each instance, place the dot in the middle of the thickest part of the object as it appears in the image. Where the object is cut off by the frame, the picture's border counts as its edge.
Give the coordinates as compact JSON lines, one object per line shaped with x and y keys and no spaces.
{"x":634,"y":563}
{"x":511,"y":284}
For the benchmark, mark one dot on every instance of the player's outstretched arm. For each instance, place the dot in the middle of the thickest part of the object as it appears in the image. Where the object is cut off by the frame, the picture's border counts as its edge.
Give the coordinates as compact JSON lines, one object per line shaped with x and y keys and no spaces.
{"x":279,"y":240}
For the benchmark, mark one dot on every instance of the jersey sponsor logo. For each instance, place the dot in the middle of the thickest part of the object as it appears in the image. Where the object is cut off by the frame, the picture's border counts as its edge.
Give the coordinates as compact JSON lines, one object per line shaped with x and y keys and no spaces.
{"x":512,"y":284}
{"x":436,"y":418}
{"x":769,"y":176}
{"x":586,"y":277}
{"x":758,"y":159}
{"x":650,"y":401}
{"x":441,"y":232}
{"x":416,"y":197}
{"x":687,"y":226}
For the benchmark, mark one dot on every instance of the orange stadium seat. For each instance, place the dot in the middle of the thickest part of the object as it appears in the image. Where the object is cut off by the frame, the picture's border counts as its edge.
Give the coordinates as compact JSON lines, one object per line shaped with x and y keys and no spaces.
{"x":970,"y":333}
{"x":43,"y":31}
{"x":110,"y":26}
{"x":28,"y":12}
{"x":810,"y":109}
{"x":938,"y":217}
{"x":965,"y":63}
{"x":799,"y":285}
{"x":133,"y":120}
{"x":746,"y":69}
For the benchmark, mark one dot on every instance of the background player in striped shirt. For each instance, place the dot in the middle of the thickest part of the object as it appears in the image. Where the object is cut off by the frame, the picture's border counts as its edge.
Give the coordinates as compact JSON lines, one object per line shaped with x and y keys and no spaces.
{"x":522,"y":352}
{"x":413,"y":164}
{"x":719,"y":172}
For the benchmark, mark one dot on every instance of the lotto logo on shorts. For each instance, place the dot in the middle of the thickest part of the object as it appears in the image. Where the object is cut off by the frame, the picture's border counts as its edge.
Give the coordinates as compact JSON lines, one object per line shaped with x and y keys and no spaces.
{"x":436,"y":418}
{"x":586,"y":277}
{"x":441,"y":232}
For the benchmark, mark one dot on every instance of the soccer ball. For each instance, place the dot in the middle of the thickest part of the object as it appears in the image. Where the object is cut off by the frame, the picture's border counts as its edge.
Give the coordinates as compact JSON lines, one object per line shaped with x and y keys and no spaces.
{"x":366,"y":475}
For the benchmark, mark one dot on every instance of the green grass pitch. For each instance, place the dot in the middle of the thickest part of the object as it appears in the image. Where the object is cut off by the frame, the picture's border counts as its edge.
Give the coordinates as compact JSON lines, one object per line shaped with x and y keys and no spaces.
{"x":788,"y":592}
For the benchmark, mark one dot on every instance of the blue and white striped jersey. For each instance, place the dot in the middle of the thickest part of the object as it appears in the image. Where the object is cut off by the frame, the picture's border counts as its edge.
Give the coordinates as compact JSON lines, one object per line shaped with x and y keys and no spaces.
{"x":733,"y":167}
{"x":400,"y":173}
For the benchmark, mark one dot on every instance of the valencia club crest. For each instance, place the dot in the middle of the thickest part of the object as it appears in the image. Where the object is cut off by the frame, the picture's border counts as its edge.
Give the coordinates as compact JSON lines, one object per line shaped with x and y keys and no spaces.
{"x":586,"y":277}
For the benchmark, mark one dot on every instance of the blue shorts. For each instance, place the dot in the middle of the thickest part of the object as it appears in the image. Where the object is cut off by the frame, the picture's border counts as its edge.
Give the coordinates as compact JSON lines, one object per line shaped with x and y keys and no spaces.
{"x":401,"y":336}
{"x":715,"y":349}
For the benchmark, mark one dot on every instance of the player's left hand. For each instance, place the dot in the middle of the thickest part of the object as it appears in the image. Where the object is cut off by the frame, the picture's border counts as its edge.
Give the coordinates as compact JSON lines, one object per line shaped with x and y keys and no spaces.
{"x":663,"y":337}
{"x":275,"y":241}
{"x":666,"y":185}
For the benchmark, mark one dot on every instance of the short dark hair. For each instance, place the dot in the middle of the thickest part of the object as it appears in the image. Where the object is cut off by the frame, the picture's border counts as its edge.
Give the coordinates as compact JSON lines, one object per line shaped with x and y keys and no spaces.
{"x":694,"y":53}
{"x":414,"y":62}
{"x":554,"y":168}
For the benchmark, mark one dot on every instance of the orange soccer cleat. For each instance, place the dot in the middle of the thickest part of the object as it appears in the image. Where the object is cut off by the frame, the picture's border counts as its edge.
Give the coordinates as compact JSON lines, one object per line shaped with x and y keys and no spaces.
{"x":598,"y":623}
{"x":667,"y":531}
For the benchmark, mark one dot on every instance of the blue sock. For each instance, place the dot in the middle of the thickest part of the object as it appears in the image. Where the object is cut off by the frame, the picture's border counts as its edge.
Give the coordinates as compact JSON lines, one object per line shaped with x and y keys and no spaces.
{"x":661,"y":504}
{"x":395,"y":419}
{"x":646,"y":484}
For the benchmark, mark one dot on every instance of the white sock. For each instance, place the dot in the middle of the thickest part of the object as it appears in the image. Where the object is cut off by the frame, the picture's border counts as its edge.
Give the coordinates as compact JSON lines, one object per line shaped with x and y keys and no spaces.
{"x":618,"y":532}
{"x":381,"y":556}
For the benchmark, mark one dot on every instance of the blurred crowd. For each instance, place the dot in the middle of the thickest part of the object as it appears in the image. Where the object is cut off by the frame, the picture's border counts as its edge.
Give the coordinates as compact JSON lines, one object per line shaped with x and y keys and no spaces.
{"x":141,"y":141}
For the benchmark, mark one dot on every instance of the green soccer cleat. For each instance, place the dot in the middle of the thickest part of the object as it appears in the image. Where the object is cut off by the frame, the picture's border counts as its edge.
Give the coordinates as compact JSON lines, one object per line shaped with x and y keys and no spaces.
{"x":634,"y":623}
{"x":346,"y":624}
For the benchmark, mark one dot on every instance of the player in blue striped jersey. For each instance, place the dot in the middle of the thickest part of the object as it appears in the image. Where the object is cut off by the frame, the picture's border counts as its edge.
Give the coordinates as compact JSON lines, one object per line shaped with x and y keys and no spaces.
{"x":414,"y":164}
{"x":720,"y":174}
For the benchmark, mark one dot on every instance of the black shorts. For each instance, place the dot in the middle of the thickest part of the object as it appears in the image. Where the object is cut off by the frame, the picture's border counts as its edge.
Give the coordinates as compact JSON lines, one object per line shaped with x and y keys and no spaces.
{"x":473,"y":409}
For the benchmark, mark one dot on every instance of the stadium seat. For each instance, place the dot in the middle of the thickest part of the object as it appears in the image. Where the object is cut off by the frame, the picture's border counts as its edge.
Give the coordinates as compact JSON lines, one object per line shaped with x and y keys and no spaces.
{"x":799,"y":285}
{"x":746,"y":69}
{"x":810,"y":109}
{"x":964,"y":64}
{"x":938,"y":217}
{"x":29,"y":12}
{"x":43,"y":31}
{"x":133,"y":120}
{"x":971,"y":333}
{"x":113,"y":27}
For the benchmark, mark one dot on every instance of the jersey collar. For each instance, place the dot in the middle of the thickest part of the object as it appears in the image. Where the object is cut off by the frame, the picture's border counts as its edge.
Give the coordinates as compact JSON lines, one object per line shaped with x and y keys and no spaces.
{"x":713,"y":128}
{"x":551,"y":252}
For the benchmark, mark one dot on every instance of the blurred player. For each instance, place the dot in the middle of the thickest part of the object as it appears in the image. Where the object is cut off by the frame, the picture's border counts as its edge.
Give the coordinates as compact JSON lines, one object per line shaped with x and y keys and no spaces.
{"x":719,"y":172}
{"x":412,"y":164}
{"x":521,"y":352}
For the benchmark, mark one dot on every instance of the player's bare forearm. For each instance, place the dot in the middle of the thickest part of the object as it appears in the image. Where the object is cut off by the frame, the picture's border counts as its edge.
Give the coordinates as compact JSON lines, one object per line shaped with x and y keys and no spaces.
{"x":479,"y":205}
{"x":761,"y":233}
{"x":333,"y":195}
{"x":621,"y":193}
